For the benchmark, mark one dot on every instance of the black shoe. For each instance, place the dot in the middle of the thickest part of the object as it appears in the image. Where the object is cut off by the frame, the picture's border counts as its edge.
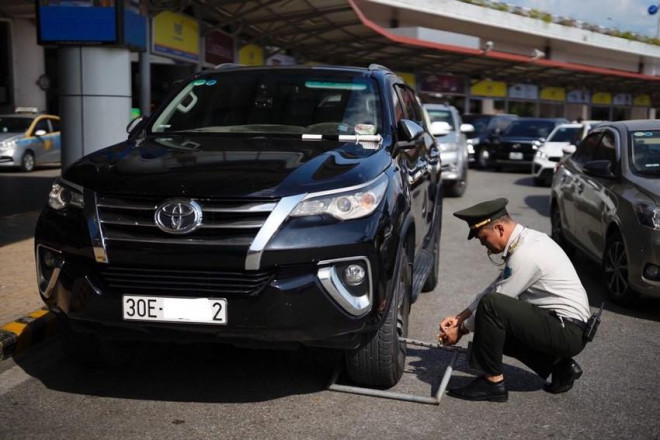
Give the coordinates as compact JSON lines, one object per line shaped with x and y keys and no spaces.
{"x":564,"y":374}
{"x":481,"y":389}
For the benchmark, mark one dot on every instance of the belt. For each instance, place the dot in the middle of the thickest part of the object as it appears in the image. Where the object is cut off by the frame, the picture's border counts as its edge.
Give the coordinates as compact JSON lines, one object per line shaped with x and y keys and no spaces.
{"x":563,"y":319}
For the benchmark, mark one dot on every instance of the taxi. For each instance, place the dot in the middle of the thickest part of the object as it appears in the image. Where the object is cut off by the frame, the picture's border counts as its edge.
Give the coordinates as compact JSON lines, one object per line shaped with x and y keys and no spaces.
{"x":29,"y":139}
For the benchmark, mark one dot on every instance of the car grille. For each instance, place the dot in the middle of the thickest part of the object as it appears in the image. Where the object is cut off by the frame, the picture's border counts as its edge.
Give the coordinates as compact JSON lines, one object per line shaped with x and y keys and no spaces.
{"x":224,"y":222}
{"x":184,"y":282}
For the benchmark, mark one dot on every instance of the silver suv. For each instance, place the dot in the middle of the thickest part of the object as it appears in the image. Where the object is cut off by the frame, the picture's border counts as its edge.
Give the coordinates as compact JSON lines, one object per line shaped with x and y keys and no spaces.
{"x":449,"y":131}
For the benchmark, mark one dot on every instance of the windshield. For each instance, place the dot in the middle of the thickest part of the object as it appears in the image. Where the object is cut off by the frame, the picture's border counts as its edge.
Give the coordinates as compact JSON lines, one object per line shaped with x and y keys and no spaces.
{"x":14,"y":124}
{"x":437,"y":115}
{"x":646,"y":152}
{"x":275,"y":102}
{"x":530,"y":129}
{"x":566,"y":134}
{"x":480,"y":124}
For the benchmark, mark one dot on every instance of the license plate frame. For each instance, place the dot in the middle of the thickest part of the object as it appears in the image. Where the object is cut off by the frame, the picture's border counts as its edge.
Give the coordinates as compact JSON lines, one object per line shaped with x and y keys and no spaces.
{"x":515,"y":155}
{"x":174,"y":309}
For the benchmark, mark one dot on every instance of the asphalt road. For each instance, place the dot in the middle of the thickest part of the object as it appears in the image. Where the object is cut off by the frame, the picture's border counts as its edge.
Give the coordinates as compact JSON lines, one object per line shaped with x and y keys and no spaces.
{"x":202,"y":391}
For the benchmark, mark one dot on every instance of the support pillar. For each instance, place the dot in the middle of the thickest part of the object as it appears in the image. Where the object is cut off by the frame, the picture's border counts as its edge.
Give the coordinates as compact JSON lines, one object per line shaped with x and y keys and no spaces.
{"x":95,"y":99}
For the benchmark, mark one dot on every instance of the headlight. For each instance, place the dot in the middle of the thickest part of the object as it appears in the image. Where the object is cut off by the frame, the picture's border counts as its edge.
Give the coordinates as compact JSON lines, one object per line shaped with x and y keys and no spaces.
{"x":536,"y":144}
{"x":448,"y":146}
{"x":7,"y":145}
{"x":345,"y":203}
{"x":648,"y":214}
{"x":62,"y":195}
{"x":541,"y":154}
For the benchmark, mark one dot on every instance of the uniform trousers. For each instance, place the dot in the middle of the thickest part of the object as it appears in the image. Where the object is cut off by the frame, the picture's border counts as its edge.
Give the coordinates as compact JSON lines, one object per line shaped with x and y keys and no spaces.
{"x":508,"y":326}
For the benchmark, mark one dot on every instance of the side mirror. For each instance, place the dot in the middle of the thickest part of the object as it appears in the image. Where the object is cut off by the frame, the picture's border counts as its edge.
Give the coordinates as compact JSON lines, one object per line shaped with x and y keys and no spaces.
{"x":40,"y":133}
{"x":467,"y":128}
{"x":135,"y":123}
{"x":440,"y":128}
{"x":568,"y":149}
{"x":599,"y":168}
{"x":409,"y":131}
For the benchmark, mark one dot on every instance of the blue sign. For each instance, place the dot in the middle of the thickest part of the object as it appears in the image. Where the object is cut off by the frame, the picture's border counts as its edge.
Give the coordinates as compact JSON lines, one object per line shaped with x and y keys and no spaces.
{"x":653,"y":9}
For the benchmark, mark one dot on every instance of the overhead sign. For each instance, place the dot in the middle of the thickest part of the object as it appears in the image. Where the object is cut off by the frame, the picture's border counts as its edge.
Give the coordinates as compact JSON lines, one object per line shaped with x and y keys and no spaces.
{"x":487,"y":88}
{"x":578,"y":97}
{"x":251,"y":55}
{"x":448,"y":84}
{"x":91,"y":22}
{"x":219,"y":48}
{"x":408,"y":78}
{"x":642,"y":101}
{"x":176,"y":36}
{"x":524,"y":91}
{"x":623,"y":99}
{"x":553,"y":94}
{"x":601,"y":98}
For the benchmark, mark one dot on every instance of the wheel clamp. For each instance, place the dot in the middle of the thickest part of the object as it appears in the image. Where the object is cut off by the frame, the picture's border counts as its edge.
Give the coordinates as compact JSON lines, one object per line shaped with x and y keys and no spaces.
{"x":435,"y":400}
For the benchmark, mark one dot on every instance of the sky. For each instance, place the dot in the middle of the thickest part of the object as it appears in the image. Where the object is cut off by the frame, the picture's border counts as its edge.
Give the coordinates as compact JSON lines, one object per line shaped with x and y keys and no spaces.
{"x":625,"y":15}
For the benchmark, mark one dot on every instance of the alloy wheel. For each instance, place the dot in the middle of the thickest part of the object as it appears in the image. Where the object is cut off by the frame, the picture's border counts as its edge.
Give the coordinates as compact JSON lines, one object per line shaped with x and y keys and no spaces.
{"x":616,"y":269}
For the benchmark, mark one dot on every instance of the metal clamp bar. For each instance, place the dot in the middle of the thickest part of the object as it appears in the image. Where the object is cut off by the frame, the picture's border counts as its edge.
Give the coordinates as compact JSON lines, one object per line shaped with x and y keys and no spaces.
{"x":435,"y":400}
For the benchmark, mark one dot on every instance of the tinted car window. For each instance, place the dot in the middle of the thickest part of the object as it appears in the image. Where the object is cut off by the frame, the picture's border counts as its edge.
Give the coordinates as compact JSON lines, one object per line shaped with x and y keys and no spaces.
{"x":42,"y":125}
{"x":530,"y":129}
{"x":275,"y":102}
{"x":606,"y":148}
{"x":55,"y":124}
{"x":412,"y":109}
{"x":13,"y":124}
{"x":586,"y":149}
{"x":645,"y":152}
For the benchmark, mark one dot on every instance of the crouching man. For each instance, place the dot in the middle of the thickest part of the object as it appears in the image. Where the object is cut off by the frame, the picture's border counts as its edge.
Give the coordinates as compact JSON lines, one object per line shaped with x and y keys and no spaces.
{"x":534,"y":311}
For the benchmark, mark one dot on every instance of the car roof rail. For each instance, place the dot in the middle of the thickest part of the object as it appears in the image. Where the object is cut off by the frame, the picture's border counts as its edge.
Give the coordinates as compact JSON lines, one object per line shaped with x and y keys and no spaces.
{"x":374,"y":66}
{"x":228,"y":66}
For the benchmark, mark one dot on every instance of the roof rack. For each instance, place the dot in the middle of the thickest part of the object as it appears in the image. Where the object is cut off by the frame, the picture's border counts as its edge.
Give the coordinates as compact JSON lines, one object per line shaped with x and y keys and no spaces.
{"x":228,"y":66}
{"x":374,"y":66}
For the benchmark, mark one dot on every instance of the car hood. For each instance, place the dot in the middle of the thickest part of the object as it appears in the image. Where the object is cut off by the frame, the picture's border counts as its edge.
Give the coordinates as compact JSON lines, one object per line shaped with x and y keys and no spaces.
{"x":518,"y":139}
{"x":10,"y":136}
{"x":554,"y":148}
{"x":449,"y":138}
{"x":212,"y":166}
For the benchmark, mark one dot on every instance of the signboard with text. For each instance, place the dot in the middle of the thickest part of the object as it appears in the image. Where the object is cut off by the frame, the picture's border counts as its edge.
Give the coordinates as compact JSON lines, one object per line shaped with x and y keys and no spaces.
{"x":448,"y":84}
{"x":176,"y":36}
{"x":553,"y":94}
{"x":220,"y":48}
{"x":524,"y":91}
{"x":494,"y":89}
{"x":578,"y":97}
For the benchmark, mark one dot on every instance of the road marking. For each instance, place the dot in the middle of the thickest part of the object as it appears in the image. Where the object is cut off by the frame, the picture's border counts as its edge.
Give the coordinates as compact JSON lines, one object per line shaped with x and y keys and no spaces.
{"x":11,"y":379}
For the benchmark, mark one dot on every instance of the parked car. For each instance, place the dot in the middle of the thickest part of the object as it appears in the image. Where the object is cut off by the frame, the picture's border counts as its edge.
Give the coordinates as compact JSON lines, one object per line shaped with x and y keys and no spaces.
{"x":258,"y":206}
{"x":606,"y":202}
{"x":517,"y":145}
{"x":450,"y":133}
{"x":560,"y":142}
{"x":29,"y":139}
{"x":486,"y":128}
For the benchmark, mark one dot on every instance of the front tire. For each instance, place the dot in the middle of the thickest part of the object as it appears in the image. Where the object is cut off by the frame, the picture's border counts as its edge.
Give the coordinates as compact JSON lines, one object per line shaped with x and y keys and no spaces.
{"x":557,"y":233}
{"x":27,"y":162}
{"x":615,"y":268}
{"x":380,"y":361}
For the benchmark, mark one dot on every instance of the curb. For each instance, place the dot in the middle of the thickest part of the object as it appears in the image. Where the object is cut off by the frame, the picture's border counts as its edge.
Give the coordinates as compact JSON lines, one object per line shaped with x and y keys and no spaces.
{"x":25,"y":332}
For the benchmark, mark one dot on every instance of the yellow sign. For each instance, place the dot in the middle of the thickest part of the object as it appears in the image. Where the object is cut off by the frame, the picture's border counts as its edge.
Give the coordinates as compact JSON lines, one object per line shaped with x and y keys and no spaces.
{"x":408,"y":78}
{"x":176,"y":36}
{"x":642,"y":101}
{"x":553,"y":94}
{"x":495,"y":89}
{"x":601,"y":98}
{"x":251,"y":55}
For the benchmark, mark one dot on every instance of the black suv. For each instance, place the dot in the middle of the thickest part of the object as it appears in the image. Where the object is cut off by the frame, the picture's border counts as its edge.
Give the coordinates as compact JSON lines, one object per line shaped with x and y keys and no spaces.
{"x":257,"y":205}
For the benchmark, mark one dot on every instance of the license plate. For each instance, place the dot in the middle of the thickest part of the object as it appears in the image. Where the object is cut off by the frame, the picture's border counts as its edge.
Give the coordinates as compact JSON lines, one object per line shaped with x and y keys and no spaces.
{"x":173,"y":309}
{"x":516,"y":155}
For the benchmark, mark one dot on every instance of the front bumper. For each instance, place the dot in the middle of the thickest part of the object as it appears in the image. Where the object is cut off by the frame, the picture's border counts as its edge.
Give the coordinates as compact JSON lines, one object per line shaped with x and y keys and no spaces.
{"x":10,"y":157}
{"x":643,"y":251}
{"x":297,"y":296}
{"x":452,"y":165}
{"x":544,"y":167}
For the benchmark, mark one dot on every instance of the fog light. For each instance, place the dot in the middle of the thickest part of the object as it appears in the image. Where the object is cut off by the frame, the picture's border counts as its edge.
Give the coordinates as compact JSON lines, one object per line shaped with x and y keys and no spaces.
{"x":354,"y":274}
{"x":652,"y":272}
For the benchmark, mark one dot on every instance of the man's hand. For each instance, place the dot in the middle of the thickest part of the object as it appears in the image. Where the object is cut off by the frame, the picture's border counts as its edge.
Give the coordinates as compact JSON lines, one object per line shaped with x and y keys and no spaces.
{"x":449,"y":331}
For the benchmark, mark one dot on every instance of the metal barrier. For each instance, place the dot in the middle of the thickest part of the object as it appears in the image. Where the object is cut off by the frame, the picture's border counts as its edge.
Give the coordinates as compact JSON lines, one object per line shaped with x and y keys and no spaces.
{"x":435,"y":400}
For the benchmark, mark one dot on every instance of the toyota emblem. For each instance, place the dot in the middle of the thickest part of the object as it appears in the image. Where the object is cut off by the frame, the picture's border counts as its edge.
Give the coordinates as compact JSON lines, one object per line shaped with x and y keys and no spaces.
{"x":515,"y":146}
{"x":178,"y":216}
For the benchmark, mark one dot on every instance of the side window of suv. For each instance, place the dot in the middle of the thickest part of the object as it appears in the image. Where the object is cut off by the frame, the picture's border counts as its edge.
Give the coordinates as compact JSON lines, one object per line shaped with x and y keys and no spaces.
{"x":606,"y":149}
{"x":398,"y":106}
{"x":411,"y":107}
{"x":586,"y":149}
